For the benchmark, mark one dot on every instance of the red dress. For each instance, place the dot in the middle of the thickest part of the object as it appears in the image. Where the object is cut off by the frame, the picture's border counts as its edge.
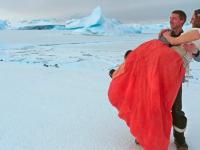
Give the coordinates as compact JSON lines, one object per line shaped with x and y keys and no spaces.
{"x":144,"y":89}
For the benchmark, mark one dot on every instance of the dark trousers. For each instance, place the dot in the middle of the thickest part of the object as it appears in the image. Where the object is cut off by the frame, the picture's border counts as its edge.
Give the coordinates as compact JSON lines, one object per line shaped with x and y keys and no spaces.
{"x":178,"y":116}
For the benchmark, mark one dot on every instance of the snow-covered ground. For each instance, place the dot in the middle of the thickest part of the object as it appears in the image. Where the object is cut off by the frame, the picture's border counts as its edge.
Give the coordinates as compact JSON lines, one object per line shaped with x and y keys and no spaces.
{"x":54,"y":92}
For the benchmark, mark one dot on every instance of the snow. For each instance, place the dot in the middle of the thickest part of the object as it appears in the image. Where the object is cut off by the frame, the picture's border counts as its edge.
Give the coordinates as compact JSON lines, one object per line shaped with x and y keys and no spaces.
{"x":44,"y":107}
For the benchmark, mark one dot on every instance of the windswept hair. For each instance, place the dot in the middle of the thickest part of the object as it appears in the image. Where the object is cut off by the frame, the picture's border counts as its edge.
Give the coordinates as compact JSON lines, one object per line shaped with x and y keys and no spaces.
{"x":197,"y":18}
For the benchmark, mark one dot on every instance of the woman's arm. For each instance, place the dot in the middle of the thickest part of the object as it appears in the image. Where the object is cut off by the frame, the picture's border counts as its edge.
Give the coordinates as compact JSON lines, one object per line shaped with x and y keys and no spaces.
{"x":189,"y":36}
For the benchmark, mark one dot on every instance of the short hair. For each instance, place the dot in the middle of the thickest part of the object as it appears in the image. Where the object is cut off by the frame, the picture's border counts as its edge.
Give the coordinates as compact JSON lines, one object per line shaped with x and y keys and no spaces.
{"x":197,"y":18}
{"x":182,"y":14}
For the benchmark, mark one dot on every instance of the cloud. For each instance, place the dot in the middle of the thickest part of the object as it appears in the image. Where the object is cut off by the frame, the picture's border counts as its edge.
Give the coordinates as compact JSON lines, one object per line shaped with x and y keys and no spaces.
{"x":126,"y":10}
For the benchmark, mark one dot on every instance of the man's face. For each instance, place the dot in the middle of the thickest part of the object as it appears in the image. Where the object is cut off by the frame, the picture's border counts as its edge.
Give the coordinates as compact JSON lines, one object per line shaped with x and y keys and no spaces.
{"x":175,"y":21}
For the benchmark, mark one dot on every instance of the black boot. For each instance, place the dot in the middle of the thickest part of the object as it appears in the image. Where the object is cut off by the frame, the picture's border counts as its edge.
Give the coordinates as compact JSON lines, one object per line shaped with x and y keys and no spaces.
{"x":126,"y":54}
{"x":136,"y":142}
{"x":180,"y":141}
{"x":111,"y":72}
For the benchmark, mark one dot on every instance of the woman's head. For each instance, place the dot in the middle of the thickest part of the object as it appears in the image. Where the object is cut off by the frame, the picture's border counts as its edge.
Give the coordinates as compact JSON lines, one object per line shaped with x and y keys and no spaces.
{"x":195,"y":20}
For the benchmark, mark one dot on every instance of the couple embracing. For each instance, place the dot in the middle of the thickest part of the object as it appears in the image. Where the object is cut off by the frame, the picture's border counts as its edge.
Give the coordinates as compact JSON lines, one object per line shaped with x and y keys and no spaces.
{"x":147,"y":88}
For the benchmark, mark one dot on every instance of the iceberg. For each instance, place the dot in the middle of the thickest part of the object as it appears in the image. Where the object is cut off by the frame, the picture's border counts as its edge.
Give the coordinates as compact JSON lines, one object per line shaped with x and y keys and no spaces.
{"x":42,"y":27}
{"x":3,"y":24}
{"x":93,"y":24}
{"x":39,"y":24}
{"x":93,"y":20}
{"x":96,"y":23}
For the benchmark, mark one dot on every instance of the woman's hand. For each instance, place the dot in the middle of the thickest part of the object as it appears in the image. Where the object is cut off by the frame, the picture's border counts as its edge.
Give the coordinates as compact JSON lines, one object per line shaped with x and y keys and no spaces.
{"x":190,"y":48}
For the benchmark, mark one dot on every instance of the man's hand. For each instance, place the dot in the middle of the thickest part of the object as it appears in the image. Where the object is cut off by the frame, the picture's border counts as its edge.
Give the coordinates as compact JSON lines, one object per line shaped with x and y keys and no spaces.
{"x":166,"y":34}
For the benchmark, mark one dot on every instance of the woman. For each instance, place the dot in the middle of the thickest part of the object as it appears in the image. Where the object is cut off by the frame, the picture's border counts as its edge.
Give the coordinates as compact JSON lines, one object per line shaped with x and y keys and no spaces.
{"x":144,"y":87}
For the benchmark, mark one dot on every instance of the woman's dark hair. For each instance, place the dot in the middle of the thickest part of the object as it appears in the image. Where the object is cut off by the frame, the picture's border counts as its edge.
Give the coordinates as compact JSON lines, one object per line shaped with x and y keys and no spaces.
{"x":197,"y":18}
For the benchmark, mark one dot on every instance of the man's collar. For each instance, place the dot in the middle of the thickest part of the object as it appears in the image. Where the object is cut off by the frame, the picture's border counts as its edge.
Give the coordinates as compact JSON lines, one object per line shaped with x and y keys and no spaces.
{"x":173,"y":33}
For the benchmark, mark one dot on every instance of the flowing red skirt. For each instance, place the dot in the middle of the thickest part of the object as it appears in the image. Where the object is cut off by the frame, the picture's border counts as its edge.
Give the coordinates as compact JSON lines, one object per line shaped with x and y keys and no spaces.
{"x":144,"y":89}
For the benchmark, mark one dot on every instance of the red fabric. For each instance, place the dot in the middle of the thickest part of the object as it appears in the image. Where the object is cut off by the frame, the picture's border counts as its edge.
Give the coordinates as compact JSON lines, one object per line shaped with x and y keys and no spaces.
{"x":145,"y":90}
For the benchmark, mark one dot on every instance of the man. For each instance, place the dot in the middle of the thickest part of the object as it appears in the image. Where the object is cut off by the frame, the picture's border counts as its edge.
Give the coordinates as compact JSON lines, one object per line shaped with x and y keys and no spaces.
{"x":177,"y":20}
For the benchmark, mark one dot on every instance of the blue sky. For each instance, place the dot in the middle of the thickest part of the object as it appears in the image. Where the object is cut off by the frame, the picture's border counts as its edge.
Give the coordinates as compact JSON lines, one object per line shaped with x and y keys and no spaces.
{"x":127,"y":11}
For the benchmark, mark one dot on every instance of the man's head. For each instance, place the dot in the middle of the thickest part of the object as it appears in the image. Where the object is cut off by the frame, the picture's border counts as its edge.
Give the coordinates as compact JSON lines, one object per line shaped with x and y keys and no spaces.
{"x":177,"y":19}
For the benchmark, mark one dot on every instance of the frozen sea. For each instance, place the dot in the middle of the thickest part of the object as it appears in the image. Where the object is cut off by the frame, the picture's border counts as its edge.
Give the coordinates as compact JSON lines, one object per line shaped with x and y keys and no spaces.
{"x":54,"y":92}
{"x":66,"y":50}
